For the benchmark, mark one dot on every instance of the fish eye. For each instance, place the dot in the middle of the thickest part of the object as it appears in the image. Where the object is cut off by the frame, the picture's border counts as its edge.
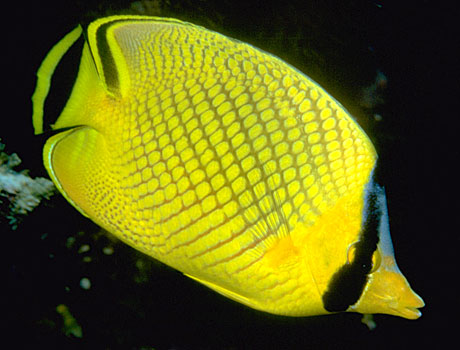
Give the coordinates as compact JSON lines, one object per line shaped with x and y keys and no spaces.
{"x":376,"y":261}
{"x":351,"y":252}
{"x":376,"y":257}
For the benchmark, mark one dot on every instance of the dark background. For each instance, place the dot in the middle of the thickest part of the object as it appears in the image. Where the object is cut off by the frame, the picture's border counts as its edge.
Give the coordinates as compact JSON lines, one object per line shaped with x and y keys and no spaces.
{"x":137,"y":303}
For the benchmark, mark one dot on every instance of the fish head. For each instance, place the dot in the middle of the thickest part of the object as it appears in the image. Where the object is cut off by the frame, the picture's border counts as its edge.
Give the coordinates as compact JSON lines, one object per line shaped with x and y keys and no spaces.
{"x":387,"y":291}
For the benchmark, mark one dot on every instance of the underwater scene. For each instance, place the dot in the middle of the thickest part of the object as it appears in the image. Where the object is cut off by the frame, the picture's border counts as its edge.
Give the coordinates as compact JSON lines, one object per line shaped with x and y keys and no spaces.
{"x":220,"y":175}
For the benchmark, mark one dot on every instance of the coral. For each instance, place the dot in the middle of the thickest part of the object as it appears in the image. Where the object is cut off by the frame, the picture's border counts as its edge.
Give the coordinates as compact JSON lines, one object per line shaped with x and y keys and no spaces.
{"x":19,"y":193}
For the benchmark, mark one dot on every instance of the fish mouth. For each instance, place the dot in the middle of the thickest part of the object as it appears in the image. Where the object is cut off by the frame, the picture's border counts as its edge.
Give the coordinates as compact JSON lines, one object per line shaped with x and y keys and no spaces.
{"x":388,"y":292}
{"x":411,"y":312}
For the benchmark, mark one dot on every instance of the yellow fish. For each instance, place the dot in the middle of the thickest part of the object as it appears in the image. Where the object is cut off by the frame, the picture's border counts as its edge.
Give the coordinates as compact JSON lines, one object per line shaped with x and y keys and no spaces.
{"x":226,"y":163}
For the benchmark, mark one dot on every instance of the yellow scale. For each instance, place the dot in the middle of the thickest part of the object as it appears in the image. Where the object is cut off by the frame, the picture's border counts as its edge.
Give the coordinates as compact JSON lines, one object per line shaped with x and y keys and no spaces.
{"x":219,"y":160}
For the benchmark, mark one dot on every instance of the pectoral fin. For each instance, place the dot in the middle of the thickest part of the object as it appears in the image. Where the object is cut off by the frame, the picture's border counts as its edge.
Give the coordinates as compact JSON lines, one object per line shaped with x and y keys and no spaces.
{"x":225,"y":292}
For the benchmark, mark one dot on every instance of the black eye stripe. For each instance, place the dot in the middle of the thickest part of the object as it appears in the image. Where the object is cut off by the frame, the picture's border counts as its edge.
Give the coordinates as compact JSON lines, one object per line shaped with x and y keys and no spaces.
{"x":347,"y":284}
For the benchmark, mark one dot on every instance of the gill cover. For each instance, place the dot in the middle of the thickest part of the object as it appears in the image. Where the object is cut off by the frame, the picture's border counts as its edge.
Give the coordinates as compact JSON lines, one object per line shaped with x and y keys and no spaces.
{"x":225,"y":163}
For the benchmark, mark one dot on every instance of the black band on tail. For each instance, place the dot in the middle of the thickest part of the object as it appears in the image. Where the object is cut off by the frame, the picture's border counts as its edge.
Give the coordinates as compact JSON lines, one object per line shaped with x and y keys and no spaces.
{"x":62,"y":82}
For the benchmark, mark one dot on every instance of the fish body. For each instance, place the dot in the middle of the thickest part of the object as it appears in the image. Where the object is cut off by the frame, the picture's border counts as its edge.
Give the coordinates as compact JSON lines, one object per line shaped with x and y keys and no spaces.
{"x":226,"y":163}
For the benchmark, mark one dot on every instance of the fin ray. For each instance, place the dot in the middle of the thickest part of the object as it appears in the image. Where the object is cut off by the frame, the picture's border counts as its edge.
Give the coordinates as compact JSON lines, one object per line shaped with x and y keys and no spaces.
{"x":224,"y":291}
{"x":270,"y":219}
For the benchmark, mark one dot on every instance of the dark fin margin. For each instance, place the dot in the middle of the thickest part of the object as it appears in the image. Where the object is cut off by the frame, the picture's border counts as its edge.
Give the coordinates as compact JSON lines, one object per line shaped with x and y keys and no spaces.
{"x":110,"y":72}
{"x":109,"y":68}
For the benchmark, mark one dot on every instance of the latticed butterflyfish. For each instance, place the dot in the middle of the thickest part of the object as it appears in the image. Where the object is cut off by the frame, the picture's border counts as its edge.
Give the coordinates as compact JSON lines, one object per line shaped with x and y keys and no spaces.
{"x":225,"y":163}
